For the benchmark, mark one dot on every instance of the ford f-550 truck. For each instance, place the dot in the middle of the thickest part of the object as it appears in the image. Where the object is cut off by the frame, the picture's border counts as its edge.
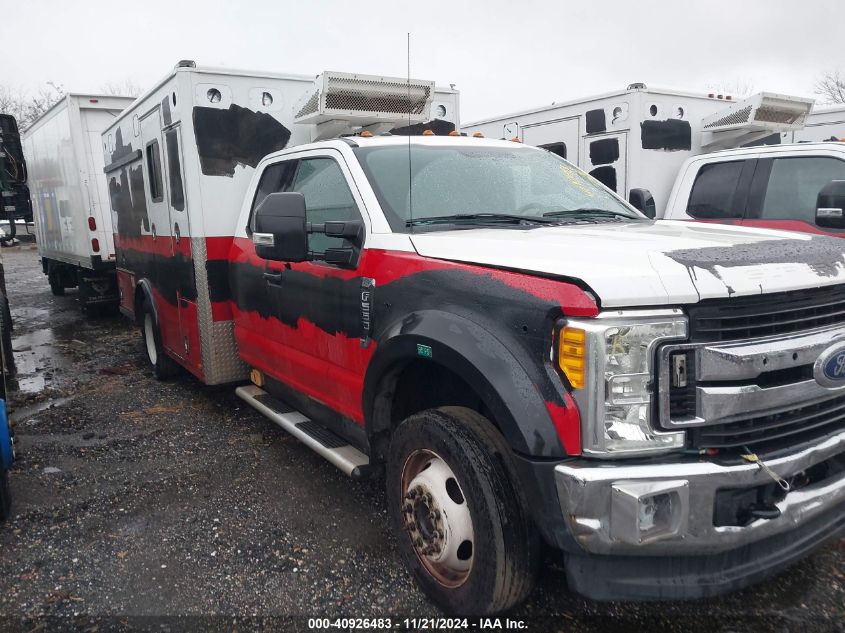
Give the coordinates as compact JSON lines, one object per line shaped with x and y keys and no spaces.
{"x":521,"y":352}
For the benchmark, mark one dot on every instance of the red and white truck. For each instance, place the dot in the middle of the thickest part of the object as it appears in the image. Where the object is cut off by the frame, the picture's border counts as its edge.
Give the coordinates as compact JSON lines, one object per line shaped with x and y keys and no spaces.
{"x":524,"y":355}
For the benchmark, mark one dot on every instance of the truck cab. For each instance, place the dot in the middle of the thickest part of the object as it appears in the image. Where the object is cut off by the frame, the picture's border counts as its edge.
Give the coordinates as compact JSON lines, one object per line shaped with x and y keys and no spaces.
{"x":777,"y":186}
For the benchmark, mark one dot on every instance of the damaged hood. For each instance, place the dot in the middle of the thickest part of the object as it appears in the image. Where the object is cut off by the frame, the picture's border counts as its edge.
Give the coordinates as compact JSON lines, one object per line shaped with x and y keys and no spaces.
{"x":652,"y":263}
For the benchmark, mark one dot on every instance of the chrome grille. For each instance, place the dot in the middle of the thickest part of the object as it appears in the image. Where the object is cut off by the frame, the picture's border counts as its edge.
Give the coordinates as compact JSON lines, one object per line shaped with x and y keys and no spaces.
{"x":754,"y":359}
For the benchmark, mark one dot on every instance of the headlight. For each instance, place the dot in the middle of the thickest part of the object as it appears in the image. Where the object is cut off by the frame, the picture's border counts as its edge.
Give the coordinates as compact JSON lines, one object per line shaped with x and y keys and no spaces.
{"x":609,"y":362}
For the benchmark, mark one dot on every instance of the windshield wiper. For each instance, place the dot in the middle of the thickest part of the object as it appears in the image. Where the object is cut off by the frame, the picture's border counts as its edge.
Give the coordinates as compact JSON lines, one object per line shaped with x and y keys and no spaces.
{"x":587,"y":212}
{"x":480,"y":218}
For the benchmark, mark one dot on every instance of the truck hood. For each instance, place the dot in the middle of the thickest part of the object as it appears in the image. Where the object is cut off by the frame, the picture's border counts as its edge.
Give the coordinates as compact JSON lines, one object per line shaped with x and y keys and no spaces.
{"x":652,"y":263}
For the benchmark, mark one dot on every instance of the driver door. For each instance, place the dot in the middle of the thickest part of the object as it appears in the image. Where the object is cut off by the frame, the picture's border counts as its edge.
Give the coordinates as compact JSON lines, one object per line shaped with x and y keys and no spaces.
{"x":315,"y":323}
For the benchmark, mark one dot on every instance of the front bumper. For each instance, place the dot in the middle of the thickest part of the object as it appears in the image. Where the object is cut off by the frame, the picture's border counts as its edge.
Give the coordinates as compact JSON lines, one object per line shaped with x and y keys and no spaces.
{"x":600,"y":503}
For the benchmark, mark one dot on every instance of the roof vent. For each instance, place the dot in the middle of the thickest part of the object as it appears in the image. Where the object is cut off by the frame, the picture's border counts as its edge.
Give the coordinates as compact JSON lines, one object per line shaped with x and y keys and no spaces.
{"x":637,"y":86}
{"x":186,"y":63}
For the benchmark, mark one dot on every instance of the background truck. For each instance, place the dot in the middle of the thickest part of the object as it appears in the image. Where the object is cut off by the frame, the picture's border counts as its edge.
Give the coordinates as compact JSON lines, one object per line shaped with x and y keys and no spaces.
{"x":797,"y":187}
{"x":15,"y":205}
{"x":639,"y":138}
{"x":69,"y":194}
{"x":523,"y":355}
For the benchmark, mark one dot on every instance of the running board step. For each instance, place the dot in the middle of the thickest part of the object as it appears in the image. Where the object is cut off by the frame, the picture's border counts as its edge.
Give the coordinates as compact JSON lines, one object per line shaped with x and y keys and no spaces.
{"x":316,"y":437}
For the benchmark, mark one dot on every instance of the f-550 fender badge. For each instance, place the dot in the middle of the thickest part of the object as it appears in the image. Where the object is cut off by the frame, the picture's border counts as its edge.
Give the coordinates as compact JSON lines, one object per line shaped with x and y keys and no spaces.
{"x":368,"y":286}
{"x":829,"y":368}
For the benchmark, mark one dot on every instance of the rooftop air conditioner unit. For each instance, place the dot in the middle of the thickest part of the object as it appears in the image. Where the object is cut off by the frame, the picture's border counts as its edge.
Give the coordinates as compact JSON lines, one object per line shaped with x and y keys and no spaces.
{"x":753,"y":118}
{"x":343,"y":102}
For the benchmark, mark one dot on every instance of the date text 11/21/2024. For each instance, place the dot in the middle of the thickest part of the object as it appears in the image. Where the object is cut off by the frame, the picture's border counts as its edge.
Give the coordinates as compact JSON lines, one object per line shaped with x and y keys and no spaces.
{"x":418,"y":624}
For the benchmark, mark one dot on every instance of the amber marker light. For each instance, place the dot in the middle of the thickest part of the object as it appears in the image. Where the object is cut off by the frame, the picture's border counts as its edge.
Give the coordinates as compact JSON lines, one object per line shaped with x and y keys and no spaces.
{"x":572,"y":355}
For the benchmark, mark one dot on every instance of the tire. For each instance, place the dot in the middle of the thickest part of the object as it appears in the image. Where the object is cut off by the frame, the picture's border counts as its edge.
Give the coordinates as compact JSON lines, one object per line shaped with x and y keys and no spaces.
{"x":163,"y":366}
{"x":497,"y":570}
{"x":5,"y":496}
{"x":6,"y":334}
{"x":56,"y":285}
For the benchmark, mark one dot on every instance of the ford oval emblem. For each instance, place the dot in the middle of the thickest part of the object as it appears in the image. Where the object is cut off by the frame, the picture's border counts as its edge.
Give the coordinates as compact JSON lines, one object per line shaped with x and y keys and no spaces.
{"x":829,"y":369}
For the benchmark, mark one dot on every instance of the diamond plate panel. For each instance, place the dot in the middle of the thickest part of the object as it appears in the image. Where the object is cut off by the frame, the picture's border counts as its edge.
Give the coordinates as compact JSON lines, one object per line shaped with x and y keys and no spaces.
{"x":220,"y":360}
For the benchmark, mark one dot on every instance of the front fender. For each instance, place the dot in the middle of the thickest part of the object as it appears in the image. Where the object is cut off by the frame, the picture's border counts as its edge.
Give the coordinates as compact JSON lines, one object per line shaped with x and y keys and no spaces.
{"x":516,"y":390}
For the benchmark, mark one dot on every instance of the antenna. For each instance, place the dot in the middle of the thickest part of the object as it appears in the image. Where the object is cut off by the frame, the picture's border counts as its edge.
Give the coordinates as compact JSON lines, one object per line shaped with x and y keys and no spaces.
{"x":410,"y":179}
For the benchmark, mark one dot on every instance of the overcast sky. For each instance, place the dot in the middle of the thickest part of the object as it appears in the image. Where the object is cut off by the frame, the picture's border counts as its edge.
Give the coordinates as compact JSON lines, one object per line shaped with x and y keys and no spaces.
{"x":503,"y":56}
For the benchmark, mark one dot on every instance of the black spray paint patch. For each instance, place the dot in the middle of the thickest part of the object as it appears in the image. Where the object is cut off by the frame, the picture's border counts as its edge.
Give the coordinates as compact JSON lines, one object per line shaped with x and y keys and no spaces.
{"x":120,"y":150}
{"x":595,"y":121}
{"x":128,"y":202}
{"x":824,"y":255}
{"x":671,"y":135}
{"x":606,"y":176}
{"x":438,"y":126}
{"x":604,"y":151}
{"x":166,"y":117}
{"x":771,"y":139}
{"x":173,"y":276}
{"x":235,"y":136}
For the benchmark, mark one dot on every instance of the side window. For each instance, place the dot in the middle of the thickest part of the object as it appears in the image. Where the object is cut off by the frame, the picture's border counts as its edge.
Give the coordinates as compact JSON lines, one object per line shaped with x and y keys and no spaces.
{"x":275,"y":178}
{"x":154,"y":171}
{"x":327,"y":197}
{"x":795,"y":183}
{"x":174,"y":170}
{"x":556,"y":148}
{"x":714,"y":190}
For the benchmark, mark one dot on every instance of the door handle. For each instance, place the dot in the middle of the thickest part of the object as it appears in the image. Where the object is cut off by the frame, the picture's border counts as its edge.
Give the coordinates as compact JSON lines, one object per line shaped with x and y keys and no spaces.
{"x":273,"y":278}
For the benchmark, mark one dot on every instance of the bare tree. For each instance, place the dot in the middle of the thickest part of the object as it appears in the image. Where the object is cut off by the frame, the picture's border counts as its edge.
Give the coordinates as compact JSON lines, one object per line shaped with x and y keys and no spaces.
{"x":27,"y":107}
{"x":126,"y":88}
{"x":739,"y":87}
{"x":831,"y":87}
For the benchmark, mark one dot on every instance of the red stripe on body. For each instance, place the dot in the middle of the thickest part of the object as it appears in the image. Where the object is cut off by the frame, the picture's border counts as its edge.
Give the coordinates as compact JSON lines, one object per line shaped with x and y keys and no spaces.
{"x":388,"y":266}
{"x":341,"y":378}
{"x":567,"y":422}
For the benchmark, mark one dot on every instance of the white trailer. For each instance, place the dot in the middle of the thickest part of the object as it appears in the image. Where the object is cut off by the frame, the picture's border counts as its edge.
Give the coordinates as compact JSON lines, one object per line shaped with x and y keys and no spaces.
{"x":70,"y":197}
{"x":638,"y":138}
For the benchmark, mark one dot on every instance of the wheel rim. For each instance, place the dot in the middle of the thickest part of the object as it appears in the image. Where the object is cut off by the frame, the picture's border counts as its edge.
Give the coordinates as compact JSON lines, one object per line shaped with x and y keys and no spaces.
{"x":437,"y":518}
{"x":149,"y":338}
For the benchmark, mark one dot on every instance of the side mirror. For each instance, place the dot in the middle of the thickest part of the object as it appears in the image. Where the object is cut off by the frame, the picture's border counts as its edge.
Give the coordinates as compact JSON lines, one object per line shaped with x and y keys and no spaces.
{"x":643,"y":201}
{"x":280,"y":231}
{"x":830,"y":205}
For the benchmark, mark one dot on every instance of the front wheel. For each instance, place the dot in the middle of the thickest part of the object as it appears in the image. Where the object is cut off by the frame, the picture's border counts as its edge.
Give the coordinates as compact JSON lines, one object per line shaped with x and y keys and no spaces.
{"x":462,"y":528}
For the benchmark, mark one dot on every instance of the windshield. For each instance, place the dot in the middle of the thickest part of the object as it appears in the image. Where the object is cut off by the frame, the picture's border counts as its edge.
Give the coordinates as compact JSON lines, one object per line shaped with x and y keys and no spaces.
{"x":467,"y":185}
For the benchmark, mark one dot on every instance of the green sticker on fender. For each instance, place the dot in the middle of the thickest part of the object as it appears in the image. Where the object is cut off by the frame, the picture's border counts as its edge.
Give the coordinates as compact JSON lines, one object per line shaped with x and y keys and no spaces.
{"x":423,"y":350}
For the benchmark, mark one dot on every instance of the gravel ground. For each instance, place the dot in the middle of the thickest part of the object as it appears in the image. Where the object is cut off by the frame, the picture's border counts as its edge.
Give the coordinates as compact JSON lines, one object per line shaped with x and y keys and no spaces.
{"x":136,"y":498}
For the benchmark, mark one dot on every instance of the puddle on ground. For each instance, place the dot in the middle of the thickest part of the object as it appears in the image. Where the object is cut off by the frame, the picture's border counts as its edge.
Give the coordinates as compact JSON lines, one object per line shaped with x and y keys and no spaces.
{"x":24,"y":413}
{"x":31,"y":384}
{"x":23,"y":313}
{"x":36,"y":352}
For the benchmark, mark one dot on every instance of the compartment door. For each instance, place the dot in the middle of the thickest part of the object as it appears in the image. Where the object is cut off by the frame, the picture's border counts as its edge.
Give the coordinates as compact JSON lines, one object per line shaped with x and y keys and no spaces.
{"x":560,"y":137}
{"x":180,"y":230}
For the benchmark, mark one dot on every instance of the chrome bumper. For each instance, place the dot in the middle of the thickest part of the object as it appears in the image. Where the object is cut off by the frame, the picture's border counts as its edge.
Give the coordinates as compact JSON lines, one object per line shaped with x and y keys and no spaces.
{"x":600,"y":502}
